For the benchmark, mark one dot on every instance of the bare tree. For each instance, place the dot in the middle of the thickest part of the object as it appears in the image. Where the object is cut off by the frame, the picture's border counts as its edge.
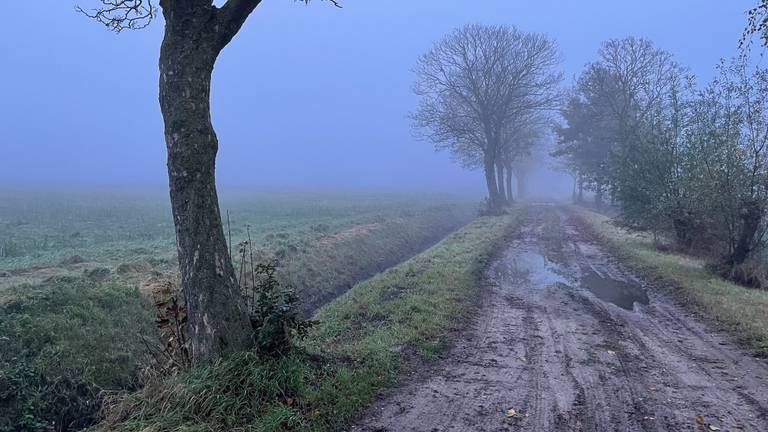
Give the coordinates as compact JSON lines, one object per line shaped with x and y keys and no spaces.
{"x":522,"y":141}
{"x":195,"y":33}
{"x":615,"y":100}
{"x":757,"y":23}
{"x":476,"y":81}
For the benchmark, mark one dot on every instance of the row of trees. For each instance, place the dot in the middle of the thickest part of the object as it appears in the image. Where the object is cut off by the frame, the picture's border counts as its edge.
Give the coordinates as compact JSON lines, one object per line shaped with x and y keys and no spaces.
{"x":486,"y":94}
{"x":680,"y":160}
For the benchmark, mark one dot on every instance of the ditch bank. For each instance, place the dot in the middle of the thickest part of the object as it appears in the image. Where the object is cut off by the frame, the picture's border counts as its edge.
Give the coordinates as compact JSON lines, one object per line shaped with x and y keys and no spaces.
{"x":364,"y":341}
{"x":340,"y":260}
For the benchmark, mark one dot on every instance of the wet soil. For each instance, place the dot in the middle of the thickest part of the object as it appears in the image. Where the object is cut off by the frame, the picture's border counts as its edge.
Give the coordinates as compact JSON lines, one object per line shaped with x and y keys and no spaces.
{"x":570,"y":340}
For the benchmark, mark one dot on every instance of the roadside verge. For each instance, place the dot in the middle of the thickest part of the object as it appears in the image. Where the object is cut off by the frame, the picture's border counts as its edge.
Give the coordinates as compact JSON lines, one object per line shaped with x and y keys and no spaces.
{"x":364,"y":341}
{"x":742,"y":311}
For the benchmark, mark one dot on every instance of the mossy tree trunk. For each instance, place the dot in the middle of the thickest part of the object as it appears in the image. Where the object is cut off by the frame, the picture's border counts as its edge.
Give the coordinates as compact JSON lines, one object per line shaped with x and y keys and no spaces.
{"x":195,"y":33}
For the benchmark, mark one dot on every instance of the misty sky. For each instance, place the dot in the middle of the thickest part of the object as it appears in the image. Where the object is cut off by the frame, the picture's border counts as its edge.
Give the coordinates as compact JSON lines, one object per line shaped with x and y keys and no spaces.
{"x":305,"y":96}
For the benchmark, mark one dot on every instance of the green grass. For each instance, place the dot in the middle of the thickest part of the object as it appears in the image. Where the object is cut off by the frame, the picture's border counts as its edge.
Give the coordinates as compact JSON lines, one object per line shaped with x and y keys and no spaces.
{"x":40,"y":231}
{"x":363,"y":341}
{"x":42,"y":228}
{"x":338,"y":261}
{"x":61,"y":343}
{"x":742,"y":310}
{"x":77,"y":323}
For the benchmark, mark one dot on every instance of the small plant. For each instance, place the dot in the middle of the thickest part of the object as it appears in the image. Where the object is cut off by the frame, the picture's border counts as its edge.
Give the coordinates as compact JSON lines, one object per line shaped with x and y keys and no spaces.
{"x":173,"y":354}
{"x":272,"y":308}
{"x":273,"y":313}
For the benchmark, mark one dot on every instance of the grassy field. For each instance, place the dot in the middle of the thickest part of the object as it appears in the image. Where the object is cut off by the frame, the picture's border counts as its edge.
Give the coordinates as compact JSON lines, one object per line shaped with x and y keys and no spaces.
{"x":742,"y":310}
{"x":129,"y":234}
{"x":363,"y":341}
{"x":43,"y":228}
{"x":74,"y":266}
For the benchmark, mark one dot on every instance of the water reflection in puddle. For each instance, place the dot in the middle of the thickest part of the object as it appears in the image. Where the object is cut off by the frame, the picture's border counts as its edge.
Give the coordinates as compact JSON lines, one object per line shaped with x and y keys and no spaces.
{"x":535,"y":269}
{"x":623,"y":294}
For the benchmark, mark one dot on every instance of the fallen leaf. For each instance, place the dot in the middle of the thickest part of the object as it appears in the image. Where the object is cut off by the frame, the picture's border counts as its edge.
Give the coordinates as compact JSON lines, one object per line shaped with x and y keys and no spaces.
{"x":700,"y":420}
{"x":714,"y":428}
{"x":511,"y":412}
{"x":289,"y":401}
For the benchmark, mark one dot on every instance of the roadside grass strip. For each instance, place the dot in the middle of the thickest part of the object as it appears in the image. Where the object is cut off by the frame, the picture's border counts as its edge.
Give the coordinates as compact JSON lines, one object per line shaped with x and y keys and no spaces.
{"x":743,"y":311}
{"x":363,"y":342}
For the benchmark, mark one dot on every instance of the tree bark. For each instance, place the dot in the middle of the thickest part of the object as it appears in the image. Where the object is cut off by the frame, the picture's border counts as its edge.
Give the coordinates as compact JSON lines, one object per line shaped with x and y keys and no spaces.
{"x":573,"y":190}
{"x":218,"y":323}
{"x":500,"y":183}
{"x":751,"y":216}
{"x":491,"y":184}
{"x":508,"y":184}
{"x":599,"y":195}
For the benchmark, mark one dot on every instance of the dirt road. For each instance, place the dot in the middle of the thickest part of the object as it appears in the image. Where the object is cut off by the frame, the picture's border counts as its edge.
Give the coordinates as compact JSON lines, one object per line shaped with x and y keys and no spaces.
{"x":571,"y":341}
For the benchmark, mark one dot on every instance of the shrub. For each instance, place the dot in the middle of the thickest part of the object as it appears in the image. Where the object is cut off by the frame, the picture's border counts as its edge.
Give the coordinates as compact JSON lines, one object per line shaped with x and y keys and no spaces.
{"x":273,"y":313}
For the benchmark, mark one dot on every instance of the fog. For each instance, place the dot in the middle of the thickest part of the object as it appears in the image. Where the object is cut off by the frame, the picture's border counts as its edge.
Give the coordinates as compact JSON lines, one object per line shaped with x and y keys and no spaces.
{"x":306,"y":96}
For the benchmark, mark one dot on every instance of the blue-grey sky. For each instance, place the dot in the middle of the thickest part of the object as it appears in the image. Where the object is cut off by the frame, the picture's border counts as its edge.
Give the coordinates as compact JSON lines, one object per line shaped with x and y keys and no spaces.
{"x":305,"y":96}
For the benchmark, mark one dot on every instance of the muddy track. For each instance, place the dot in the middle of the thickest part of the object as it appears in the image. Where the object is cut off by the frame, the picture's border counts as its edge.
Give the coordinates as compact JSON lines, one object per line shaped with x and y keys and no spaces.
{"x":572,"y":341}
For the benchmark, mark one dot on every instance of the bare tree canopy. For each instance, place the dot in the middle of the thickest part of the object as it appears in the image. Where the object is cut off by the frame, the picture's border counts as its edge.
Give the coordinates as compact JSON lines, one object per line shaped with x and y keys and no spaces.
{"x":475,"y":84}
{"x":119,"y":15}
{"x":633,"y":86}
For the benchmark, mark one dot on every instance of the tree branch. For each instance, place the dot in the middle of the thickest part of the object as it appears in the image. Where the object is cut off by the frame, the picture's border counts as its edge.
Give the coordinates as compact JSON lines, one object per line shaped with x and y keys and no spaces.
{"x":119,"y":15}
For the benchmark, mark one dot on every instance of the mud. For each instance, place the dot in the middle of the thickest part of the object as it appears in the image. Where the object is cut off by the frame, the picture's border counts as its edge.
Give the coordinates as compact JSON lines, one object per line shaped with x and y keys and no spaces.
{"x":571,"y":341}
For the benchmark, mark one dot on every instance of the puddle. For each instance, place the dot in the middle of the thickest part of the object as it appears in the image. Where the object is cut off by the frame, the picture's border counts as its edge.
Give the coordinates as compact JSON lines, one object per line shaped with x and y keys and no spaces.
{"x":623,"y":294}
{"x":531,"y":268}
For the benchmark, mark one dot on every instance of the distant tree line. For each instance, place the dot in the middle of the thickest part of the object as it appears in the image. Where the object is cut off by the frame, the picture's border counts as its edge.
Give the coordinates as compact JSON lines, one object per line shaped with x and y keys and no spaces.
{"x":686,"y":162}
{"x":486,"y":95}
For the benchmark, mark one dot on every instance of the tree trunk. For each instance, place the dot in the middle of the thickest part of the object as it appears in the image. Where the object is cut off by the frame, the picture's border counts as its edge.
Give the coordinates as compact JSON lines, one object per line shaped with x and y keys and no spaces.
{"x":751,"y":216}
{"x":490,"y":181}
{"x":500,"y":182}
{"x":683,"y":225}
{"x":599,"y":195}
{"x":573,"y":190}
{"x":508,"y":184}
{"x":580,"y":198}
{"x":217,"y":320}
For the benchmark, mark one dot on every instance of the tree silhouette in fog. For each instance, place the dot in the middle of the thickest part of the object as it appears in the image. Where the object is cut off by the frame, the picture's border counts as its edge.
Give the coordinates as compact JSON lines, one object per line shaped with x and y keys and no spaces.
{"x":476,"y":84}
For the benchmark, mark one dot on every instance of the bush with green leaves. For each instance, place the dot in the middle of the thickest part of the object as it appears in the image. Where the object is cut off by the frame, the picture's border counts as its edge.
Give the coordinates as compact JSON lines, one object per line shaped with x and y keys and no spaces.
{"x":689,"y":164}
{"x":273,"y":312}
